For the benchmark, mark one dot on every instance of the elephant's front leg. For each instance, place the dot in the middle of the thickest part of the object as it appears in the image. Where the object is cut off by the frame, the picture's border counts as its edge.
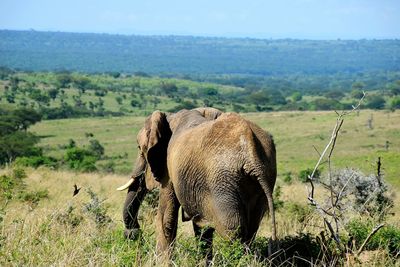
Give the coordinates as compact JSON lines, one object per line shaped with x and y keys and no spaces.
{"x":167,"y":219}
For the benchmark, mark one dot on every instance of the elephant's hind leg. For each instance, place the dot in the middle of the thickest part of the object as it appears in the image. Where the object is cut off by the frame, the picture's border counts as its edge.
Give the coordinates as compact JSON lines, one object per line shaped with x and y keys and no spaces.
{"x":167,"y":219}
{"x":205,"y":237}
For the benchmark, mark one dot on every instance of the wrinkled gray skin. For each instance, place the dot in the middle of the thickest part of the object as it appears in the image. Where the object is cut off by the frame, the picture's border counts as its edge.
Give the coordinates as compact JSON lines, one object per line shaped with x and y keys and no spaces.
{"x":218,"y":167}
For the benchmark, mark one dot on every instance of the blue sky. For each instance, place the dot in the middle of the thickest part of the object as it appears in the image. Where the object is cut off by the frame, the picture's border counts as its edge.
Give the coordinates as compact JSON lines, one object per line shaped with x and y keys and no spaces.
{"x":308,"y":19}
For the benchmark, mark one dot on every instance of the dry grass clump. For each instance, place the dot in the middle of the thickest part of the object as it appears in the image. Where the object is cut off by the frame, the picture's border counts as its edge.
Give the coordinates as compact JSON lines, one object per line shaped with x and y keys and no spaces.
{"x":87,"y":229}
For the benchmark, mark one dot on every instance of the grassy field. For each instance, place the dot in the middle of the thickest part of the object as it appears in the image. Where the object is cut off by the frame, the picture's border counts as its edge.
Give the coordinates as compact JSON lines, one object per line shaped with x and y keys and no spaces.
{"x":295,"y":133}
{"x":60,"y":230}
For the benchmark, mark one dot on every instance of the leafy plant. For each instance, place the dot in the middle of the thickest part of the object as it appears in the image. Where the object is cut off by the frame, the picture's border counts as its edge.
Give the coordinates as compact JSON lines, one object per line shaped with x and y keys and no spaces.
{"x":388,"y":237}
{"x":33,"y":197}
{"x":96,"y":209}
{"x":69,"y":217}
{"x":80,"y":159}
{"x":304,"y":174}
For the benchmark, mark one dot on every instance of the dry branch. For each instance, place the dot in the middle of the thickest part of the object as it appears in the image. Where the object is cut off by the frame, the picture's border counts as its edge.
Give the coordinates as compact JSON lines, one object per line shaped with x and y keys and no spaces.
{"x":374,"y":231}
{"x":330,"y":214}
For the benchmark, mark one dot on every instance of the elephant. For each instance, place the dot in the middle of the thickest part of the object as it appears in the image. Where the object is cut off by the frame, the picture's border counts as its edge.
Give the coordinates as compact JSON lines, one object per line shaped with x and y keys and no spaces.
{"x":219,"y":168}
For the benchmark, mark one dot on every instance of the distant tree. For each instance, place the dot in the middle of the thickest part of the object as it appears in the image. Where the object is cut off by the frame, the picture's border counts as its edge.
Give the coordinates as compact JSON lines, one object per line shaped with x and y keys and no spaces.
{"x":375,"y":102}
{"x":155,"y":100}
{"x":14,"y":140}
{"x":82,"y":83}
{"x":276,"y":98}
{"x":296,"y":96}
{"x":36,"y":95}
{"x":64,"y":79}
{"x":394,"y":88}
{"x":325,"y":104}
{"x":100,"y":92}
{"x":23,"y":102}
{"x":53,"y":93}
{"x":10,"y":98}
{"x":91,"y":105}
{"x":14,"y":81}
{"x":135,"y":103}
{"x":358,"y":86}
{"x":334,"y":94}
{"x":168,"y":88}
{"x":395,"y":103}
{"x":27,"y":117}
{"x":209,"y":91}
{"x":96,"y":148}
{"x":115,"y":74}
{"x":119,"y":100}
{"x":18,"y":144}
{"x":356,"y":93}
{"x":183,"y":105}
{"x":258,"y":98}
{"x":141,"y":74}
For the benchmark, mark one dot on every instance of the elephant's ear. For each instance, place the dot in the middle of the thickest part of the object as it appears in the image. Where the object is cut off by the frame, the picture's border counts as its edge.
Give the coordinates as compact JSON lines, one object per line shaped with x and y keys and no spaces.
{"x":159,"y":136}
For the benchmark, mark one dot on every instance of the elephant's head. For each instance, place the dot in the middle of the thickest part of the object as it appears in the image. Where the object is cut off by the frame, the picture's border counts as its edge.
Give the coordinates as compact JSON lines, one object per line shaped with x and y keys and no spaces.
{"x":150,"y":168}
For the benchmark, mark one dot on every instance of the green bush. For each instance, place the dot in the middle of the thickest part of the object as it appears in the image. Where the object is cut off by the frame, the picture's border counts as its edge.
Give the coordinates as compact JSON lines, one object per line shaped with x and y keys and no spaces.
{"x":96,"y":148}
{"x":388,"y":237}
{"x":80,"y":159}
{"x":11,"y":184}
{"x":303,"y":175}
{"x":37,"y":161}
{"x":287,"y":178}
{"x":69,"y":217}
{"x":33,"y":197}
{"x":96,"y":209}
{"x":278,"y":203}
{"x":395,"y":103}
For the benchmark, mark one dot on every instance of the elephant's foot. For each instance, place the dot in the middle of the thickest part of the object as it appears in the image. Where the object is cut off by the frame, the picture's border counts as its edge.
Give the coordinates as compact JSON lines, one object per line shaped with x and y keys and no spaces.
{"x":132,"y":234}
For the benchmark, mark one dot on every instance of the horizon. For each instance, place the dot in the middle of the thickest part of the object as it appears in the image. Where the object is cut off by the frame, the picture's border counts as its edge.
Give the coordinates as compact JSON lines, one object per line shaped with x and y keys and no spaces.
{"x":161,"y":34}
{"x":286,"y":19}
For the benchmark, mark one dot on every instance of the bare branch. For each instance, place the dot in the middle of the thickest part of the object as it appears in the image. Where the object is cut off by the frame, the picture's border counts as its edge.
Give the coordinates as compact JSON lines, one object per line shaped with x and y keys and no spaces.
{"x":317,"y":150}
{"x":334,"y":196}
{"x":374,"y":231}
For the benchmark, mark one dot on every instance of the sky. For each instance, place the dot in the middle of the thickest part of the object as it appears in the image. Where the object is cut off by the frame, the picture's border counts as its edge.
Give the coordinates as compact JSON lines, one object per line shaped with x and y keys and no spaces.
{"x":303,"y":19}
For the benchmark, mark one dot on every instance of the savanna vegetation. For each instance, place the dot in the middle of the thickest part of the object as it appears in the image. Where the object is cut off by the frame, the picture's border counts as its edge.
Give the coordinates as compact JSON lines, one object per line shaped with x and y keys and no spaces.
{"x":69,"y":117}
{"x":88,"y":52}
{"x":42,"y":223}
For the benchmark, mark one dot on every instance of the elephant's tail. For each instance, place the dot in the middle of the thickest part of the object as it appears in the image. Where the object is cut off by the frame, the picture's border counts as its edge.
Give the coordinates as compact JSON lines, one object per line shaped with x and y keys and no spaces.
{"x":268,"y":192}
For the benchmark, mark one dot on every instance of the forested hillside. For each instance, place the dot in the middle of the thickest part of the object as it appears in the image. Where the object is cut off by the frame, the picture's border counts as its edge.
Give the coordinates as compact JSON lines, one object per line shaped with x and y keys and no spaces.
{"x":86,"y":52}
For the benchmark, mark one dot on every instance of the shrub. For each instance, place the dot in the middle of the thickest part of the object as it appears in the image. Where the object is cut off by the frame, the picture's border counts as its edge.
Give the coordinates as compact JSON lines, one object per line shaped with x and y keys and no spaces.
{"x":287,"y":178}
{"x":278,"y":203}
{"x":375,"y":102}
{"x":80,"y":159}
{"x":395,"y":103}
{"x":96,"y":148}
{"x":37,"y":161}
{"x":388,"y":237}
{"x":69,"y":217}
{"x":33,"y":197}
{"x":362,"y":193}
{"x":96,"y":209}
{"x":303,"y":175}
{"x":11,"y":184}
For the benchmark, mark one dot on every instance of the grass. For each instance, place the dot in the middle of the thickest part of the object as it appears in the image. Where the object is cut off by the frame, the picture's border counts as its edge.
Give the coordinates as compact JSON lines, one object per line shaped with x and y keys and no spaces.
{"x":52,"y":233}
{"x":60,"y":231}
{"x":295,"y":134}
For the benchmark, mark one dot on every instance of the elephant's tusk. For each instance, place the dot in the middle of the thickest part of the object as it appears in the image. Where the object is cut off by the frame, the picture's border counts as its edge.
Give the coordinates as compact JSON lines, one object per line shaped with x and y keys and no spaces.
{"x":125,"y":186}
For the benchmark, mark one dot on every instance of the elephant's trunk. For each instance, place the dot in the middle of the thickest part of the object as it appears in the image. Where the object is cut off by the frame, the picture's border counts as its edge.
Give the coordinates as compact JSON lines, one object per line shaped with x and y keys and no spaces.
{"x":136,"y":193}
